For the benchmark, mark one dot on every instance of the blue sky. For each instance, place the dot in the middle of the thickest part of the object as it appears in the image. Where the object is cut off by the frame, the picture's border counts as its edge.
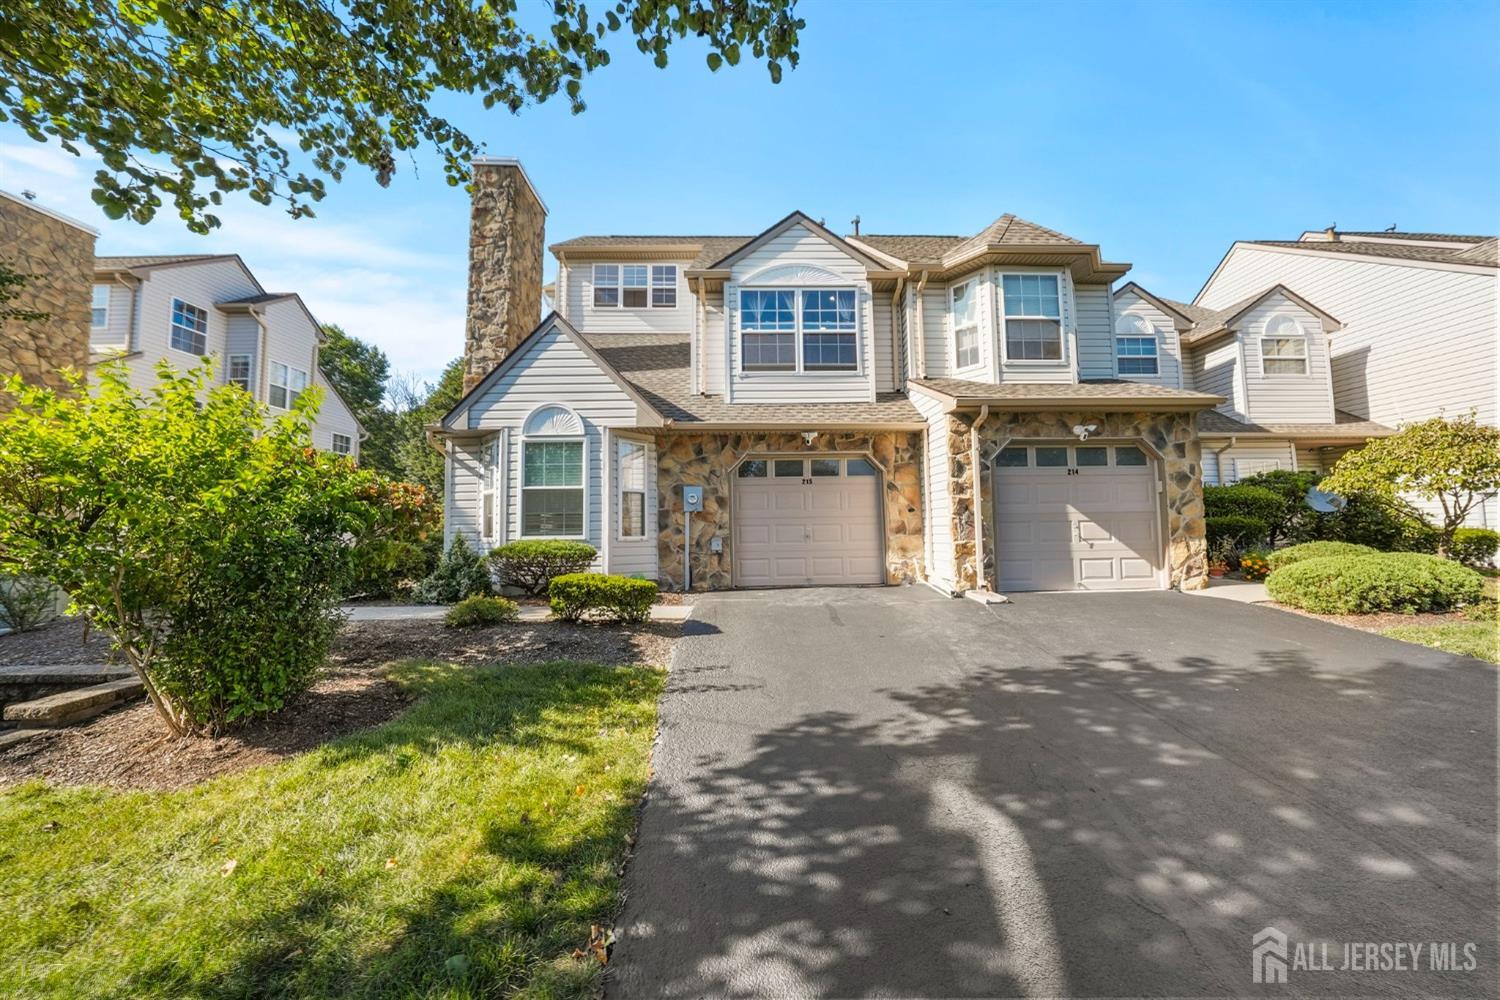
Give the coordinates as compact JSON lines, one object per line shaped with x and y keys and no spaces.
{"x":1162,"y":132}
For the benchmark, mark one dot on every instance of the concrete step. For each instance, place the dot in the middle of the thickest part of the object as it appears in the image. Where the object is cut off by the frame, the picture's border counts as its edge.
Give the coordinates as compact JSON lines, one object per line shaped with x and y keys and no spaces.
{"x":11,"y":737}
{"x":63,"y":673}
{"x":68,"y":707}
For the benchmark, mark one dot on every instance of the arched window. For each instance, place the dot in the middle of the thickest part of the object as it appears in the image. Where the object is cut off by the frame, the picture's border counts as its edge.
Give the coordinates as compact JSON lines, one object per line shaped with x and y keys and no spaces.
{"x":1283,"y":346}
{"x":1135,"y":346}
{"x":553,"y":453}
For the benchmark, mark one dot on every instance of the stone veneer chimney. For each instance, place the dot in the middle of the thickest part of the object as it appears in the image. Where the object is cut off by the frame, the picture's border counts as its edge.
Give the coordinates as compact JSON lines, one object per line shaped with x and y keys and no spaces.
{"x":506,"y":222}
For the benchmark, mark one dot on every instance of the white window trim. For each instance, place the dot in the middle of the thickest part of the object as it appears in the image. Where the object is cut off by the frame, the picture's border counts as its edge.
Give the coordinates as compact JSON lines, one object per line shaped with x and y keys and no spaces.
{"x":333,"y":443}
{"x":229,"y":371}
{"x":1063,"y":360}
{"x":271,"y":383}
{"x":799,"y":367}
{"x":619,"y":285}
{"x":1155,"y":346}
{"x":1299,"y":337}
{"x":645,"y":491}
{"x":493,"y":449}
{"x":99,"y":326}
{"x":953,"y":317}
{"x":171,"y":309}
{"x":521,"y":486}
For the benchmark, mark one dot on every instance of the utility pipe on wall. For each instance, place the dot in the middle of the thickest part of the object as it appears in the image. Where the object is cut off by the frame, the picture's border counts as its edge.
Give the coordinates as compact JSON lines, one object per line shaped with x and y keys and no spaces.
{"x":982,"y":582}
{"x":921,"y":339}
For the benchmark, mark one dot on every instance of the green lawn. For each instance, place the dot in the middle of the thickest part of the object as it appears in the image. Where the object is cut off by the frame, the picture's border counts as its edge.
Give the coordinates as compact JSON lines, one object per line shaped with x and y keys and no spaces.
{"x":461,"y":850}
{"x":1480,"y":640}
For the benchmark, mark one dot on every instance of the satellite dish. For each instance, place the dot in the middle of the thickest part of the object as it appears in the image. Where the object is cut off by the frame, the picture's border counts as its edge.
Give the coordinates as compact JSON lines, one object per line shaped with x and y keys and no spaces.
{"x":1324,"y":502}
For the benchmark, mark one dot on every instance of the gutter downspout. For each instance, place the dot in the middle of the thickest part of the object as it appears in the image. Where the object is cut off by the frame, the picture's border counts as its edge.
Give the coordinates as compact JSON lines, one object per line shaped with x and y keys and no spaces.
{"x":130,"y":319}
{"x":896,"y":382}
{"x":982,"y":582}
{"x":921,"y":331}
{"x":1219,"y":457}
{"x":260,"y":356}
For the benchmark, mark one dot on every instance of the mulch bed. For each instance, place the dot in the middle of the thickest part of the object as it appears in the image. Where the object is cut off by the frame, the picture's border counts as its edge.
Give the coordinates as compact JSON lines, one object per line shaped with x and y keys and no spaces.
{"x":1380,"y":621}
{"x":127,"y":748}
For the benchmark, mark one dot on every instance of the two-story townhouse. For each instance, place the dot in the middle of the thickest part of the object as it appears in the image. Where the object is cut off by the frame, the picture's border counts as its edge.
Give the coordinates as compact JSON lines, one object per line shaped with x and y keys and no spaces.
{"x":184,"y":308}
{"x":1267,"y":356}
{"x":1418,"y":330}
{"x":798,"y":407}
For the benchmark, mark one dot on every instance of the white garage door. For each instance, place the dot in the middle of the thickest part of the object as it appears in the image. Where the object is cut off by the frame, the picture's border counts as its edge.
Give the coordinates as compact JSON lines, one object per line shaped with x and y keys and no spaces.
{"x":1077,"y":517}
{"x":806,"y":521}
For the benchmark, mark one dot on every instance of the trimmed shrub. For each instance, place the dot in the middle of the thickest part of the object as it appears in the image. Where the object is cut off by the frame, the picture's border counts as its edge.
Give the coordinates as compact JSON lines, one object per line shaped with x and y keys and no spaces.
{"x":1407,"y":582}
{"x":575,"y":596}
{"x":1316,"y":550}
{"x":1475,"y":546}
{"x":1255,"y":502}
{"x":1295,"y":520}
{"x":459,"y":574}
{"x":26,"y":602}
{"x":531,"y":564}
{"x":1234,"y":532}
{"x":479,"y":610}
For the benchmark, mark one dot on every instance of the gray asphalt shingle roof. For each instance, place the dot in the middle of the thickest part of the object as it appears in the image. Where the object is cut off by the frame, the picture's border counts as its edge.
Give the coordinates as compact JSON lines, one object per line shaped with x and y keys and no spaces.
{"x":1483,"y":252}
{"x":1084,"y":391}
{"x":1344,"y":425}
{"x":126,"y":263}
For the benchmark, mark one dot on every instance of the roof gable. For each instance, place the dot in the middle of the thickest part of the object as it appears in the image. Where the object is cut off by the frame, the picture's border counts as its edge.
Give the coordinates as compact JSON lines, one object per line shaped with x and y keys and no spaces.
{"x":798,"y":219}
{"x":1209,"y":324}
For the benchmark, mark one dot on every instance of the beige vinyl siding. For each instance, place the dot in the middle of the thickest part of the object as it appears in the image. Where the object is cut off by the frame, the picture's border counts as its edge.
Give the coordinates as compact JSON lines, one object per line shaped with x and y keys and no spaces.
{"x":202,"y":285}
{"x":799,"y":258}
{"x":1096,"y":334}
{"x":463,"y":473}
{"x":884,"y":338}
{"x":553,"y":370}
{"x":1286,"y":398}
{"x":115,"y":334}
{"x":1168,"y":346}
{"x":1244,"y":459}
{"x":937,"y":344}
{"x":713,"y":362}
{"x":1416,"y":341}
{"x":1215,"y":369}
{"x":937,"y":503}
{"x":243,"y":337}
{"x":633,"y":556}
{"x":578,"y":297}
{"x":1013,"y":371}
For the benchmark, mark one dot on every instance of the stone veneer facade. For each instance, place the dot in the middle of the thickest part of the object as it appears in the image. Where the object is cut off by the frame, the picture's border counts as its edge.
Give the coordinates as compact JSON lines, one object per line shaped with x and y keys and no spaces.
{"x":58,"y":257}
{"x":1171,"y":437}
{"x":506,"y":225}
{"x":708,"y":460}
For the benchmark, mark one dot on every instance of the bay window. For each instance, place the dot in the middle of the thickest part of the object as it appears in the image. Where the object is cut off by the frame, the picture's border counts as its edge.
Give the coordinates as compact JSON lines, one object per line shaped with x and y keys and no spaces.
{"x":964,"y":308}
{"x":806,"y":329}
{"x":1031,"y":305}
{"x":489,"y":488}
{"x":1135,"y":346}
{"x":632,"y":496}
{"x":1283,"y":347}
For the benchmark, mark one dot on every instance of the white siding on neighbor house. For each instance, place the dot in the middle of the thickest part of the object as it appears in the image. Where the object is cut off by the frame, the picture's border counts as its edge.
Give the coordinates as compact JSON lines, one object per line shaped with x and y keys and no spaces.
{"x":1168,"y":345}
{"x":1096,"y":333}
{"x":200,"y":284}
{"x":794,"y":258}
{"x":115,"y":334}
{"x":577,"y":293}
{"x":1286,"y":398}
{"x":1416,"y":341}
{"x":633,"y":556}
{"x":243,"y":337}
{"x":1244,"y":459}
{"x":937,"y":503}
{"x":334,"y":417}
{"x":552,"y":370}
{"x":1215,"y":369}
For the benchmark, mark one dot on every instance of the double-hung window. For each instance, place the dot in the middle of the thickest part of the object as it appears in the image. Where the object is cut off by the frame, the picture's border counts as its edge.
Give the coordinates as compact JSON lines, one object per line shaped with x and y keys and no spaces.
{"x":635,"y":286}
{"x":488,"y":488}
{"x":287,"y":384}
{"x":1283,"y":347}
{"x":99,"y":317}
{"x":189,"y":328}
{"x":237,"y":371}
{"x":552,"y":488}
{"x":1135,"y":346}
{"x":804,"y":329}
{"x":343,"y":444}
{"x":632,"y":473}
{"x":964,"y":308}
{"x":1032,"y":307}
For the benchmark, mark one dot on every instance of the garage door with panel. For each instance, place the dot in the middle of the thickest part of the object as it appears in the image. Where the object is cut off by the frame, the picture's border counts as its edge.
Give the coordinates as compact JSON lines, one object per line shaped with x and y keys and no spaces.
{"x":806,"y":521}
{"x":1077,"y":517}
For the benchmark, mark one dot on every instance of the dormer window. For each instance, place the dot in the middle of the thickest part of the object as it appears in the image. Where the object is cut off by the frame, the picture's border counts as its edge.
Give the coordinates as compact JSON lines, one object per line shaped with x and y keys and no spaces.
{"x":805,"y":329}
{"x":1135,"y":346}
{"x":1283,"y":347}
{"x":1032,"y":309}
{"x":964,"y":307}
{"x":635,"y":286}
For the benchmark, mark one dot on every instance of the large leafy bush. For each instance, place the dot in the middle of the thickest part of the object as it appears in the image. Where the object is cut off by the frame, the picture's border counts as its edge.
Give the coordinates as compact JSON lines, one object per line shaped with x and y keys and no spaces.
{"x":392,"y":555}
{"x":1390,"y":581}
{"x":209,"y":542}
{"x":1234,"y":532}
{"x":1316,"y":550}
{"x":576,"y":596}
{"x":1255,"y":502}
{"x":459,"y":573}
{"x":532,"y":563}
{"x":1475,"y":546}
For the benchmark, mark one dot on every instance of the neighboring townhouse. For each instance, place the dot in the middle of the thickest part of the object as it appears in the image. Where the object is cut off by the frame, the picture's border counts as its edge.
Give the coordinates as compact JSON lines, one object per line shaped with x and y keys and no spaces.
{"x":184,"y":308}
{"x":1417,"y":331}
{"x":797,"y":407}
{"x":55,"y":255}
{"x":1266,"y":356}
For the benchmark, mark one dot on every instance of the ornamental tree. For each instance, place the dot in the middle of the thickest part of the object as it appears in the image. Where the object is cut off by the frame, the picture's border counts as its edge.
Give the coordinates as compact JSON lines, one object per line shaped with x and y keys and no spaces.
{"x":209,"y":542}
{"x":189,"y":101}
{"x":1453,"y":463}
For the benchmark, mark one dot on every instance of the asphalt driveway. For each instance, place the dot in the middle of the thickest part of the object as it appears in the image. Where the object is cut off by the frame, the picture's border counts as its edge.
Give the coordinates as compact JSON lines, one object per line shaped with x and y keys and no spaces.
{"x":885,"y":792}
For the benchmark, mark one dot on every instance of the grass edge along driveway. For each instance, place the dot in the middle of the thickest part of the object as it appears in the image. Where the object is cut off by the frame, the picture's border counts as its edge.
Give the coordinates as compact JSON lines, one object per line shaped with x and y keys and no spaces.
{"x":460,"y":850}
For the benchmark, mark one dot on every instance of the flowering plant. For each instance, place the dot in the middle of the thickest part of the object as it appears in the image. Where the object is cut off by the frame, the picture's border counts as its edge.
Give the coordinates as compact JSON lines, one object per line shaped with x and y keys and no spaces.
{"x":1253,"y":566}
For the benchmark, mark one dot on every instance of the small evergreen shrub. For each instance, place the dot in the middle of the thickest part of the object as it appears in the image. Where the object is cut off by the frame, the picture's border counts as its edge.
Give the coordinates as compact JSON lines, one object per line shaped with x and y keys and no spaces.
{"x":1406,"y":582}
{"x":1235,"y":532}
{"x":1475,"y":546}
{"x":1315,"y":550}
{"x":531,"y":564}
{"x":1255,"y":502}
{"x":26,"y":602}
{"x":577,"y":596}
{"x":459,"y":573}
{"x":479,"y":610}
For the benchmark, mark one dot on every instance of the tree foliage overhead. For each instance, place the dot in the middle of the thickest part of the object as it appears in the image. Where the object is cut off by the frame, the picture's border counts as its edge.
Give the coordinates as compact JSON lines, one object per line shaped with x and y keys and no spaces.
{"x":187,"y":100}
